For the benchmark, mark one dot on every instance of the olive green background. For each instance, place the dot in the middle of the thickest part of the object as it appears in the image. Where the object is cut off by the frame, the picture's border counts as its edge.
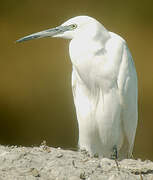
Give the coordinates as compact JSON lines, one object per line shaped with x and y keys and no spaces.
{"x":35,"y":77}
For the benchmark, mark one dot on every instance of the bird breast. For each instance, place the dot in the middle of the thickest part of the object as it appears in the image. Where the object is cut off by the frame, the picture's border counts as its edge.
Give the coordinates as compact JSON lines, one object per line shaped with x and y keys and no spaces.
{"x":89,"y":57}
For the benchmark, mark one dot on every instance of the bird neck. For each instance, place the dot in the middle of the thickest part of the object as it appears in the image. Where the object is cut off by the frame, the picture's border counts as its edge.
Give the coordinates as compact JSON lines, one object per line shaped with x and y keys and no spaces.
{"x":101,"y":35}
{"x":83,"y":48}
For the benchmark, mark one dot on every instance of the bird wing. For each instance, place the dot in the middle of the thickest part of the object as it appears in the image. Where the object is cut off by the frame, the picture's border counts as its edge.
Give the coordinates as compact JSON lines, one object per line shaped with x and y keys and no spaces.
{"x":127,"y":84}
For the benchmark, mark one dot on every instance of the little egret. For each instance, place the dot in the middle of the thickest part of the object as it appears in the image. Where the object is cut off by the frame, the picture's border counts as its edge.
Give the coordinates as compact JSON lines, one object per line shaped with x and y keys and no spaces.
{"x":104,"y":85}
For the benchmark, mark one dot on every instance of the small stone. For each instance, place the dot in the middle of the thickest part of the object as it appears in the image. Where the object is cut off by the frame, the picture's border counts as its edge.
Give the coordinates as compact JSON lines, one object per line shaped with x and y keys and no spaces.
{"x":35,"y":172}
{"x":73,"y":163}
{"x":83,"y":175}
{"x":59,"y":155}
{"x":43,"y":143}
{"x":47,"y":149}
{"x":96,"y":155}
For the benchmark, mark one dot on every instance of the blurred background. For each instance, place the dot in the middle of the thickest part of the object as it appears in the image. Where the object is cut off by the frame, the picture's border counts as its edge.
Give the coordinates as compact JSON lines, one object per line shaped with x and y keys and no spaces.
{"x":35,"y":77}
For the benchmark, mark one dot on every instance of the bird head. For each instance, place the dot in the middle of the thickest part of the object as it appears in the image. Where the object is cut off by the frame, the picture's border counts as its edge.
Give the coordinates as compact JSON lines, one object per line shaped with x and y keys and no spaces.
{"x":80,"y":26}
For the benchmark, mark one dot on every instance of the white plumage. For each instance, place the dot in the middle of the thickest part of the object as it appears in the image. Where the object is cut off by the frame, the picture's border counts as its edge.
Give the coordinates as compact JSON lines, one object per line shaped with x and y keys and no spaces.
{"x":104,"y":84}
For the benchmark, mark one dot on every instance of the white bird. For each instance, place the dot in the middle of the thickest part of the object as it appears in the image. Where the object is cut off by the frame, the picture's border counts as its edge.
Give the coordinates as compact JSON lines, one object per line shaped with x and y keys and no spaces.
{"x":104,"y":85}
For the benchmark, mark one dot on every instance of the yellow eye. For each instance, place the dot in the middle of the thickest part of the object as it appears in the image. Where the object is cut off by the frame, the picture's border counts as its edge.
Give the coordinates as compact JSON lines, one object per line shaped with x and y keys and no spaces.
{"x":74,"y":26}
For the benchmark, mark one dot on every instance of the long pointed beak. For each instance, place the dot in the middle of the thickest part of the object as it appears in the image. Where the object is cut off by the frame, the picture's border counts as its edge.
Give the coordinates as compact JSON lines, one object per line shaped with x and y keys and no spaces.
{"x":53,"y":32}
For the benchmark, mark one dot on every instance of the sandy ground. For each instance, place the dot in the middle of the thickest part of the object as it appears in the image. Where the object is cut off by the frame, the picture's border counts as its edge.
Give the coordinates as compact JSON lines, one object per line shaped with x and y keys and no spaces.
{"x":48,"y":163}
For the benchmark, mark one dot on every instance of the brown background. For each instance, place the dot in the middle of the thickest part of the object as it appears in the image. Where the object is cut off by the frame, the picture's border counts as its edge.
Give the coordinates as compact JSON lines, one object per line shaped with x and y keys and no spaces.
{"x":35,"y":77}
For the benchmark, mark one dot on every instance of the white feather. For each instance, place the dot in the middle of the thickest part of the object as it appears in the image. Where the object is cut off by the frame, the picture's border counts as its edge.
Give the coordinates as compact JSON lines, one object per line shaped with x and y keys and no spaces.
{"x":104,"y":84}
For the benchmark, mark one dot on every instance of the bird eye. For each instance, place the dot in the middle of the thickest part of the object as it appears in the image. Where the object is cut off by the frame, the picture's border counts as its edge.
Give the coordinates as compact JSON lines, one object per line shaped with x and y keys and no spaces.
{"x":74,"y":26}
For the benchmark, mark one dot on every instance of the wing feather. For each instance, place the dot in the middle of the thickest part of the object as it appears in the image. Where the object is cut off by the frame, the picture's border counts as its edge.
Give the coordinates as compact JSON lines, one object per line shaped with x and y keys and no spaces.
{"x":127,"y":83}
